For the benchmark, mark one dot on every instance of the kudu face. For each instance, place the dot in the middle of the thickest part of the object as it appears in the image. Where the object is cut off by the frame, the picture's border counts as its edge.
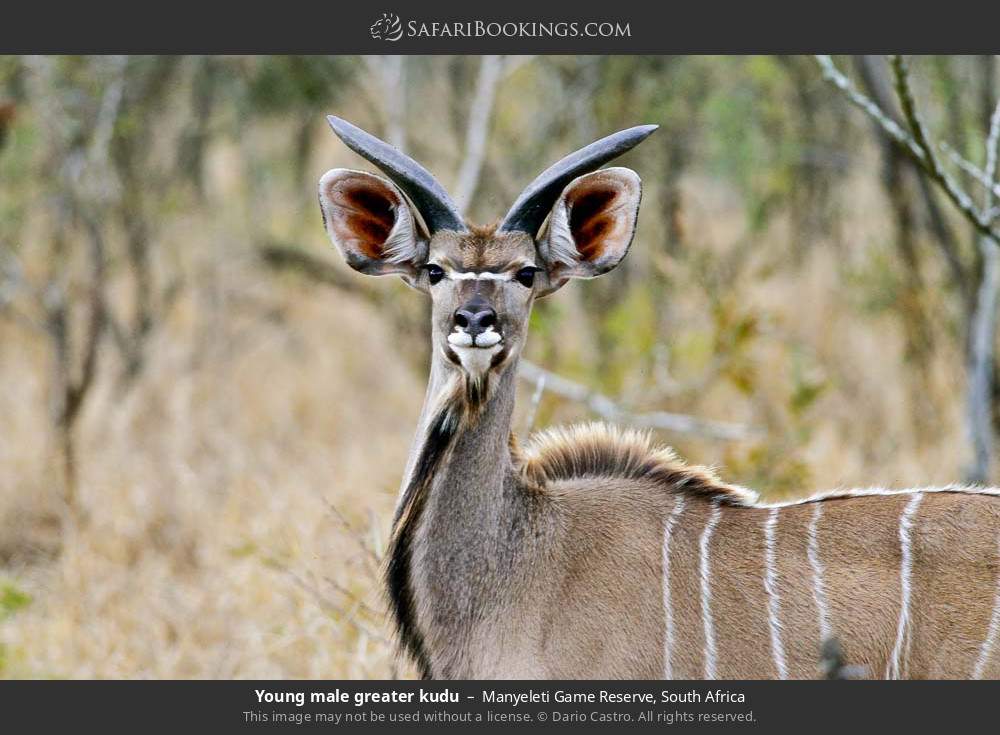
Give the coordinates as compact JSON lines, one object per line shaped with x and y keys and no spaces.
{"x":482,"y":281}
{"x":481,"y":286}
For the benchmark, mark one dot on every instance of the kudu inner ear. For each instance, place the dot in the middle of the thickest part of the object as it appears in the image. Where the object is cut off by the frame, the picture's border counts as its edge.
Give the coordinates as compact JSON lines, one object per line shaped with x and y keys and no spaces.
{"x":370,"y":222}
{"x":591,"y":225}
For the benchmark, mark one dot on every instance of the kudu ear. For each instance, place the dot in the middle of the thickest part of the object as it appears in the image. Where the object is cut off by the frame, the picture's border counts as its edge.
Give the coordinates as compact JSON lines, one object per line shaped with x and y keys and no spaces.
{"x":371,"y":224}
{"x":591,"y":226}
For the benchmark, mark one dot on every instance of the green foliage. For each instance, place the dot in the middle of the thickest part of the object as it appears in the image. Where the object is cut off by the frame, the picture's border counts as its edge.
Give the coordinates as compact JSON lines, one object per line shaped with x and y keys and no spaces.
{"x":14,"y":663}
{"x":630,"y":326}
{"x":12,"y":599}
{"x":735,"y":330}
{"x":805,"y":392}
{"x":754,"y":133}
{"x":284,"y":83}
{"x":545,"y":318}
{"x":16,"y":159}
{"x":773,"y":468}
{"x":244,"y":550}
{"x":875,"y":282}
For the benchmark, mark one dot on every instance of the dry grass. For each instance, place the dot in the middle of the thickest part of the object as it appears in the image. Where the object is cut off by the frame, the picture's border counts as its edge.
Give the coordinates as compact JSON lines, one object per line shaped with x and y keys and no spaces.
{"x":210,"y":549}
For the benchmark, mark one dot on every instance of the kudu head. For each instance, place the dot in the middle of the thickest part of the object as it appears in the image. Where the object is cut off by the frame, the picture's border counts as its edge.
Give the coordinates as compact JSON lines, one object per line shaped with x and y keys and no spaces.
{"x":482,"y":280}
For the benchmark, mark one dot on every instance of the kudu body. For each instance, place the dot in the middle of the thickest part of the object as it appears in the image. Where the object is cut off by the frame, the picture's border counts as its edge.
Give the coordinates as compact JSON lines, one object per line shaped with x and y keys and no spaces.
{"x":589,"y":552}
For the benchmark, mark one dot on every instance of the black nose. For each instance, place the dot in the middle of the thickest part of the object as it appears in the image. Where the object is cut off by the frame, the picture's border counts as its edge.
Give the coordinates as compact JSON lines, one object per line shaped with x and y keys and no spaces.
{"x":476,"y":317}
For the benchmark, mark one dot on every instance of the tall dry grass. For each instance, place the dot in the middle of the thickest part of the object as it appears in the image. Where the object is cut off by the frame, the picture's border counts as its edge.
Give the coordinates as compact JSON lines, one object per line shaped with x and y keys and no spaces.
{"x":210,"y":548}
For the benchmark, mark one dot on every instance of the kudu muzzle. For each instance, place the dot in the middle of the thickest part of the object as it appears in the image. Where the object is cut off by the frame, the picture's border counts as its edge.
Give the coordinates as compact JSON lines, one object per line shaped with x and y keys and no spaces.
{"x":478,"y":320}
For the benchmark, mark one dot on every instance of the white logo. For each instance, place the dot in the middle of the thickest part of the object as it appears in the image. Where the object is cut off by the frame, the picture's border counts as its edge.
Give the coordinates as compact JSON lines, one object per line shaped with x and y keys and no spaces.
{"x":387,"y":28}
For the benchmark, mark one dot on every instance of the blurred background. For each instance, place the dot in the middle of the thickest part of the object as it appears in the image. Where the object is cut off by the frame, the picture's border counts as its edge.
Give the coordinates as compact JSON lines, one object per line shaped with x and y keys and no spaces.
{"x":204,"y":414}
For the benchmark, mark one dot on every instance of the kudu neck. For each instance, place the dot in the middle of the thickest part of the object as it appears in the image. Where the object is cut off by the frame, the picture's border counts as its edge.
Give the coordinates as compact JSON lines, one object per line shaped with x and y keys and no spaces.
{"x":481,"y":446}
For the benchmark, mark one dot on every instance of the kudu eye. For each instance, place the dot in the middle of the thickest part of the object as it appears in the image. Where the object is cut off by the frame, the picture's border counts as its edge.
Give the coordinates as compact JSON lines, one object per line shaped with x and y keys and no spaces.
{"x":526,"y":277}
{"x":434,"y":272}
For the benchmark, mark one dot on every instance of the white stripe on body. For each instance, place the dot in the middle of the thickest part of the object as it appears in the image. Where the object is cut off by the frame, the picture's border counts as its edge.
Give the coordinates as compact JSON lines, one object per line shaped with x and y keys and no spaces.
{"x":876,"y":492}
{"x":819,"y":586}
{"x":894,"y":669}
{"x":991,"y":634}
{"x":706,"y":590}
{"x":773,"y":598}
{"x":668,"y":614}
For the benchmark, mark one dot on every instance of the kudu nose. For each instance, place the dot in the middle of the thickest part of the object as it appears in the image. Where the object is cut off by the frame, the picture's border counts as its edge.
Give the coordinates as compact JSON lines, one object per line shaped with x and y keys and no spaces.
{"x":476,"y":317}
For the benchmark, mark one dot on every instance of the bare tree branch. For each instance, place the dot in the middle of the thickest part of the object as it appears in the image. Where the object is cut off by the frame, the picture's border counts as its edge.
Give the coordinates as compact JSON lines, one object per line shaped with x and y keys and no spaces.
{"x":290,"y":258}
{"x":82,"y":184}
{"x":536,"y":398}
{"x":958,"y":196}
{"x":979,"y":407}
{"x":982,"y":336}
{"x":331,"y":607}
{"x":371,"y":553}
{"x":608,"y":409}
{"x":971,"y":169}
{"x":914,"y":142}
{"x":356,"y":601}
{"x":890,"y":126}
{"x":141,"y":182}
{"x":992,"y":153}
{"x":77,"y":389}
{"x":878,"y":86}
{"x":12,"y":285}
{"x":477,"y":130}
{"x":391,"y":74}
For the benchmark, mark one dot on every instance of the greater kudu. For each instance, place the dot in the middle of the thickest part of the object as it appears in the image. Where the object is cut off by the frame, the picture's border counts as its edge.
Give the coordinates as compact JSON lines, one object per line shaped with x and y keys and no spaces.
{"x":589,"y":552}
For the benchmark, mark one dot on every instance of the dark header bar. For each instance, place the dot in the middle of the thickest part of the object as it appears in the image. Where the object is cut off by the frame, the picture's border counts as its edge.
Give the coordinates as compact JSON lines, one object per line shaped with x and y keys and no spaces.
{"x":530,"y":706}
{"x":449,"y":27}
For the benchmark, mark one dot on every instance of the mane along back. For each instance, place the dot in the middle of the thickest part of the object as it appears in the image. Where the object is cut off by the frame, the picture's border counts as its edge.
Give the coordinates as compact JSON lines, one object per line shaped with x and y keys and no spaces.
{"x":600,"y":450}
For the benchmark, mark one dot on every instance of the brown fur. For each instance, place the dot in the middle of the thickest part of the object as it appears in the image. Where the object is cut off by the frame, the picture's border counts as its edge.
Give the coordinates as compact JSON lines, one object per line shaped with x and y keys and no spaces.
{"x":482,"y":249}
{"x":485,"y":232}
{"x":596,"y":612}
{"x":615,"y":525}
